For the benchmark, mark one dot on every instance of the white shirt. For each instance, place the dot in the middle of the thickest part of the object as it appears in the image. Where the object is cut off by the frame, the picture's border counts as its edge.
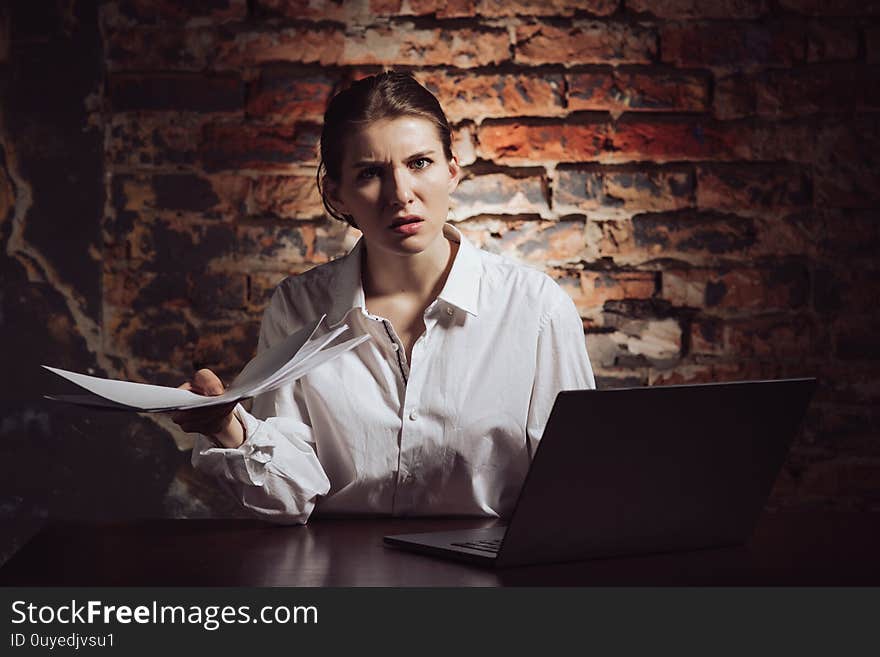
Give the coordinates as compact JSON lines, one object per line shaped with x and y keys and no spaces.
{"x":451,"y":433}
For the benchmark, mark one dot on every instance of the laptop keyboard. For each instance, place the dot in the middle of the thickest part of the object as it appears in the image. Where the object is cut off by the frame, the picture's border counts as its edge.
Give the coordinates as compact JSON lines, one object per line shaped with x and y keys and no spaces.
{"x":491,"y":545}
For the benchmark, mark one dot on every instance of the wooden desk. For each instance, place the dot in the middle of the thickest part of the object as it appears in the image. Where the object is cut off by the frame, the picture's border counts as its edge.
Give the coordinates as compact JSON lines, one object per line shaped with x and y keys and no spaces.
{"x":786,"y":549}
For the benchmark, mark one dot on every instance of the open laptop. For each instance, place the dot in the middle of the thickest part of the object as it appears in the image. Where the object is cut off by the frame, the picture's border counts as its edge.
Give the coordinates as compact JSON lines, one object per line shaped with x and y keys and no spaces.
{"x":640,"y":470}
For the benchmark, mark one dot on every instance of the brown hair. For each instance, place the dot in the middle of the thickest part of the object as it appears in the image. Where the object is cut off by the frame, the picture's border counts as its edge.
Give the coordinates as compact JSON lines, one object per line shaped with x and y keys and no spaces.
{"x":388,"y":95}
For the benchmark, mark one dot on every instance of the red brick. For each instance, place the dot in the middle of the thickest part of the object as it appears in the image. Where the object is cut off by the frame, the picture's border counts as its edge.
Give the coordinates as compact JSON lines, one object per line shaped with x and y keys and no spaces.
{"x":715,"y":371}
{"x":677,"y":140}
{"x":246,"y":146}
{"x":500,"y":8}
{"x":146,"y":141}
{"x":684,"y":231}
{"x":794,"y":233}
{"x":153,"y":334}
{"x":700,"y":238}
{"x":750,"y":189}
{"x":690,"y":9}
{"x":285,"y":95}
{"x":776,"y":337}
{"x":138,"y":290}
{"x":303,"y":44}
{"x":464,"y":144}
{"x":316,"y":10}
{"x":451,"y":9}
{"x":128,"y":13}
{"x":734,"y":97}
{"x":171,"y":245}
{"x":619,"y":377}
{"x":491,"y":8}
{"x":287,"y":246}
{"x":636,"y":342}
{"x":261,"y":287}
{"x":734,"y":46}
{"x":197,"y":49}
{"x":175,"y":195}
{"x":477,"y":96}
{"x":618,"y":91}
{"x":498,"y":193}
{"x":810,"y":90}
{"x":405,"y":44}
{"x":211,"y":292}
{"x":832,"y":7}
{"x":847,"y":167}
{"x":591,"y":289}
{"x":623,"y":191}
{"x":286,"y":197}
{"x":832,"y":42}
{"x":225,"y":346}
{"x":636,"y":139}
{"x":219,"y":93}
{"x":850,"y":234}
{"x":782,"y":287}
{"x":520,"y":142}
{"x":540,"y":243}
{"x":662,"y":140}
{"x":584,"y":42}
{"x":850,"y":382}
{"x":855,"y":338}
{"x":843,"y":479}
{"x":160,"y":48}
{"x":846,"y":289}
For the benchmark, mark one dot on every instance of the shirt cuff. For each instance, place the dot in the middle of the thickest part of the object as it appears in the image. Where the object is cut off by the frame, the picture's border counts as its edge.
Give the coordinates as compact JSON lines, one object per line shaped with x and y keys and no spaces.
{"x":245,"y":464}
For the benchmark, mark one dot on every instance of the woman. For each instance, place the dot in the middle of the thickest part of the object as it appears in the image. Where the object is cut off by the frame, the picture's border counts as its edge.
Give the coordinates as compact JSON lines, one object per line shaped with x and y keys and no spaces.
{"x":440,"y":411}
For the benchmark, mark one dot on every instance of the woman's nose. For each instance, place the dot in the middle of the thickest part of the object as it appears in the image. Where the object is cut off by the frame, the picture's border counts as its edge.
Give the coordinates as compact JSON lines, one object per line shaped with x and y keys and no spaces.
{"x":398,"y":188}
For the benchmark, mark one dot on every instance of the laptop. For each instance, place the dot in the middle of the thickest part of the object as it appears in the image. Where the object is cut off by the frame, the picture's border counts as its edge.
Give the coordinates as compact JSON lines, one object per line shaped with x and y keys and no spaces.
{"x":640,"y":470}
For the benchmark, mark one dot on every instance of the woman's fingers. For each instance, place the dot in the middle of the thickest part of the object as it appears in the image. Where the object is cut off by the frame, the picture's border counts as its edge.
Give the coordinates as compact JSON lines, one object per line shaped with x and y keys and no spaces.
{"x":204,"y":420}
{"x":205,"y":382}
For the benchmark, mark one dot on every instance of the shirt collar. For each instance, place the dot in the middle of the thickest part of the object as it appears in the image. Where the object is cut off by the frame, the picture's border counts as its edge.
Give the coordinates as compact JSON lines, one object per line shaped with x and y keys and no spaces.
{"x":461,"y":289}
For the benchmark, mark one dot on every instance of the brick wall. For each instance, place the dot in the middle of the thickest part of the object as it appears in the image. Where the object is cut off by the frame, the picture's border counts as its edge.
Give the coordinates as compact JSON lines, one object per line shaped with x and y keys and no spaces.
{"x":701,"y":177}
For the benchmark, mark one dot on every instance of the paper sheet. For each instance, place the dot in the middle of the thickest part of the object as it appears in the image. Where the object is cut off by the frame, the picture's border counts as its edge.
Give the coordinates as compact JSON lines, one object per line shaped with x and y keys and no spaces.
{"x":287,"y":361}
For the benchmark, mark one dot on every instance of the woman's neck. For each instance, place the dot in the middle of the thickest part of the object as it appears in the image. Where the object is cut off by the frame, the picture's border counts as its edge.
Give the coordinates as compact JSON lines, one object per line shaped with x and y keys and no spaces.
{"x":420,"y":275}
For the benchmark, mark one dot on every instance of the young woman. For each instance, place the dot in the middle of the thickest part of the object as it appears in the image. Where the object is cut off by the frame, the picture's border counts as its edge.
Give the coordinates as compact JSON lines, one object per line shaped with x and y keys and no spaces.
{"x":440,"y":411}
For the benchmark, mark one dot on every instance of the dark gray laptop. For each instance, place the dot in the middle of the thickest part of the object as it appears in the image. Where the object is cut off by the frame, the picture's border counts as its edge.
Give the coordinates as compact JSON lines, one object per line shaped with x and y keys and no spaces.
{"x":641,"y":470}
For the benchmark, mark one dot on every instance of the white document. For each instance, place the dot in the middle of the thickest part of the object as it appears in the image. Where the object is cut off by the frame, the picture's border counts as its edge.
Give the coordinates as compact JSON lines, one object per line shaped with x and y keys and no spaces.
{"x":287,"y":361}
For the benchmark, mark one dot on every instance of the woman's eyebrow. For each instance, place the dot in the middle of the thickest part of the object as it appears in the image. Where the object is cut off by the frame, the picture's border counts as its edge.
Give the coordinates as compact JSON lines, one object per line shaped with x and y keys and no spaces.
{"x":369,"y":163}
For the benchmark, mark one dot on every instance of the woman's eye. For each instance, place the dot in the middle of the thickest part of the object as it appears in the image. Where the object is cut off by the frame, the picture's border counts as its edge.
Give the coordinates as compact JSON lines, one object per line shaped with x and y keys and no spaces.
{"x":421,"y":163}
{"x":368,"y":173}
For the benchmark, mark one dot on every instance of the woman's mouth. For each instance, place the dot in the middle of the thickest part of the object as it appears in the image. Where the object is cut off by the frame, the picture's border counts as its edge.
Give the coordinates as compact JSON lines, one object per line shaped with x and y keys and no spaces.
{"x":407,"y":225}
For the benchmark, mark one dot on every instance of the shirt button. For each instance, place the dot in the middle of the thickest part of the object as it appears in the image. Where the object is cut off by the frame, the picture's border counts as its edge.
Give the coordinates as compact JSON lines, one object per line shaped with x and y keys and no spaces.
{"x":413,"y":415}
{"x":395,"y":346}
{"x":449,"y":311}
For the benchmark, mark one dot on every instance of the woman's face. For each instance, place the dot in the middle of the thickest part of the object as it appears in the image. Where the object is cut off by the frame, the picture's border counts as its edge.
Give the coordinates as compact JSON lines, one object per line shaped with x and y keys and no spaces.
{"x":395,"y":183}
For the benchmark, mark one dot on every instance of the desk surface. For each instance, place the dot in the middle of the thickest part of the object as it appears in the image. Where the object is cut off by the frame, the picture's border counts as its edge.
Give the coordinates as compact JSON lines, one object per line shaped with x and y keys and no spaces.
{"x":818,"y":549}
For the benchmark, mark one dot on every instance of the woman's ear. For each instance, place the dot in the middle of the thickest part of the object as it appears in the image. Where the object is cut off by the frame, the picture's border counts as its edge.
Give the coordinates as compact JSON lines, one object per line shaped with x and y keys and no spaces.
{"x":454,"y":173}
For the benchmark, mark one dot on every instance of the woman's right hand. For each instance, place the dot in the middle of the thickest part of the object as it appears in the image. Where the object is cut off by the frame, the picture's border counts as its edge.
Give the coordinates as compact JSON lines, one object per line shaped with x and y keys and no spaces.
{"x":217,"y":422}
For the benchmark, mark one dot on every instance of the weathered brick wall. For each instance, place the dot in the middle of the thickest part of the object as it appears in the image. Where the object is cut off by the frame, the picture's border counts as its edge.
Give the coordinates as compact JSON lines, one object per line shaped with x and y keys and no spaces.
{"x":701,"y":177}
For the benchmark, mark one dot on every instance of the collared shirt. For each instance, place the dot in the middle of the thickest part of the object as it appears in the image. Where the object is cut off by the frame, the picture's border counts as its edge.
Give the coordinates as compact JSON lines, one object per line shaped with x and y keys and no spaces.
{"x":450,"y":433}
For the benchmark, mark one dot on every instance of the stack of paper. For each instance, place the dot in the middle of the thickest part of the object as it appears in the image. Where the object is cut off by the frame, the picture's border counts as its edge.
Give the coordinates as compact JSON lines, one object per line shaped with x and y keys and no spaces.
{"x":287,"y":361}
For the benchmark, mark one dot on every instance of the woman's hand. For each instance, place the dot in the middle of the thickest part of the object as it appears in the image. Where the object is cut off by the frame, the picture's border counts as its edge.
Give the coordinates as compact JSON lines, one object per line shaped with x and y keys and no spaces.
{"x":217,"y":422}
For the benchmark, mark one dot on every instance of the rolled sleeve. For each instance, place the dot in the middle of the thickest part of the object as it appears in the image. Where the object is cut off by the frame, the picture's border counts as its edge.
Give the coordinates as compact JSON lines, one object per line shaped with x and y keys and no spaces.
{"x":275,"y":473}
